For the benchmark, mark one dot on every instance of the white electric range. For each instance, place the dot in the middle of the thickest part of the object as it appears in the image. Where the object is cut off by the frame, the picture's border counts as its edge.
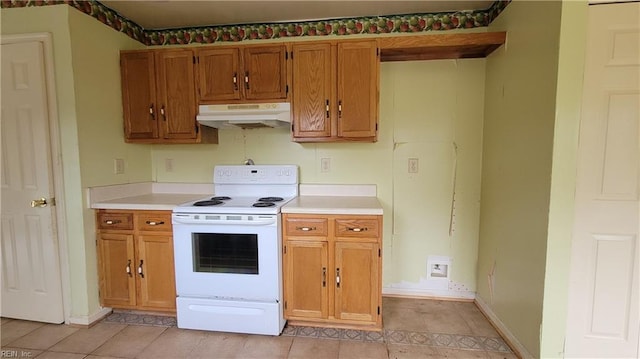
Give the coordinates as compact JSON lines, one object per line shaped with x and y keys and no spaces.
{"x":227,"y":251}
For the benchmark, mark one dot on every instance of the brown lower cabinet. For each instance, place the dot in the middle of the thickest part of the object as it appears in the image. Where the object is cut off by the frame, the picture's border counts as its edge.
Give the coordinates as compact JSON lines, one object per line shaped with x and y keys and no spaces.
{"x":332,"y":270}
{"x":135,"y":260}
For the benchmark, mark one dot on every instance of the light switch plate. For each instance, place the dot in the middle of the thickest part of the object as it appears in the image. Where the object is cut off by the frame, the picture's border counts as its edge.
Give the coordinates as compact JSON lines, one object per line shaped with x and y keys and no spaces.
{"x":413,"y":165}
{"x":325,"y":164}
{"x":118,"y":166}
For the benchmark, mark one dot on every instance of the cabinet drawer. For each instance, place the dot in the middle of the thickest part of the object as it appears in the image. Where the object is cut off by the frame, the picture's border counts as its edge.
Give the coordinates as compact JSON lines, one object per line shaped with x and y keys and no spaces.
{"x":306,"y":227}
{"x":155,"y":222}
{"x":358,"y":227}
{"x":121,"y":221}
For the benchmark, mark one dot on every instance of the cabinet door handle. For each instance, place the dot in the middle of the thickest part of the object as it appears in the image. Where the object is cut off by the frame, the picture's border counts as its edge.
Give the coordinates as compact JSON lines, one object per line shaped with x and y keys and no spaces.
{"x":324,"y":276}
{"x":338,"y":277}
{"x":140,"y":270}
{"x":246,"y":79}
{"x":164,"y":117}
{"x":154,"y":223}
{"x":305,"y":229}
{"x":153,"y":115}
{"x":235,"y":81}
{"x":327,"y":108}
{"x":128,"y":268}
{"x":357,"y":229}
{"x":340,"y":109}
{"x":112,"y":221}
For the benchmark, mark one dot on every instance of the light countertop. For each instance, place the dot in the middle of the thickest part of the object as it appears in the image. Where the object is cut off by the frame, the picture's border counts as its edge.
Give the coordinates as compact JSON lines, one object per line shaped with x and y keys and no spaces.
{"x":361,"y":205}
{"x":149,"y":201}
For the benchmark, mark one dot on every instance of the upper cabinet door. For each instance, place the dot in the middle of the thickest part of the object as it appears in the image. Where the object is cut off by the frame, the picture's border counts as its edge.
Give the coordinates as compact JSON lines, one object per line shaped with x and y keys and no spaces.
{"x":139,"y":95}
{"x":312,"y":102}
{"x":358,"y":66}
{"x":265,"y":73}
{"x":176,"y":90}
{"x":219,"y":76}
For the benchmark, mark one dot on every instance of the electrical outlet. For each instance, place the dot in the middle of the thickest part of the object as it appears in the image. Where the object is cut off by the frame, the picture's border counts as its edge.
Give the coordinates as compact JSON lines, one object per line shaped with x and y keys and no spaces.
{"x":118,"y":166}
{"x":168,"y":164}
{"x":325,"y":164}
{"x":413,"y":165}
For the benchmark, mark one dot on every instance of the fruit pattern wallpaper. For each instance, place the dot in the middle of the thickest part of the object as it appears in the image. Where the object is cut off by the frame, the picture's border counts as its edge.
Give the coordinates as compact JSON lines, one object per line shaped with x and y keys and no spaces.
{"x":247,"y":32}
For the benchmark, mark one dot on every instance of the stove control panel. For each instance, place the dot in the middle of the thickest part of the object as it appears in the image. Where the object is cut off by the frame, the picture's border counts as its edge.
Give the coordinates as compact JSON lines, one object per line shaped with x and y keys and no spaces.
{"x":256,"y":174}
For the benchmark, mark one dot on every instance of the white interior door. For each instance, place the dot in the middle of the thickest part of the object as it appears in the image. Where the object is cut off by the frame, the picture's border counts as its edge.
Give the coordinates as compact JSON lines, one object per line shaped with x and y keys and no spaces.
{"x":603,"y":318}
{"x":31,"y":279}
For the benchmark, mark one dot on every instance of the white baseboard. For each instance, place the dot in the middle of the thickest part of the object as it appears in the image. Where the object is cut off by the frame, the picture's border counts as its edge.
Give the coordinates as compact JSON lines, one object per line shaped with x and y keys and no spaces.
{"x":429,"y":293}
{"x":89,"y":320}
{"x":504,"y":331}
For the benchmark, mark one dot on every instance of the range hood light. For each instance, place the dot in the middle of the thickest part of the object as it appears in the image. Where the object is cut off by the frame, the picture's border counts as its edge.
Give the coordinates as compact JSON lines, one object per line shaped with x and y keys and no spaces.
{"x":245,"y":115}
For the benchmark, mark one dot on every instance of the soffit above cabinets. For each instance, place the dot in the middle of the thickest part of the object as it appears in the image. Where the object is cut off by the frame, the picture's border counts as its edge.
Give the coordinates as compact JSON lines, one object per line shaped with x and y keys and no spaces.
{"x":167,"y":14}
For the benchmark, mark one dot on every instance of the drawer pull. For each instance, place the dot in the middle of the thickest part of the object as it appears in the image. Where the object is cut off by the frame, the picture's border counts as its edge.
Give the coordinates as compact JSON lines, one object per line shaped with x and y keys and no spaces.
{"x":324,"y":276}
{"x":128,"y":269}
{"x":357,"y":229}
{"x":140,"y":270}
{"x":154,"y":223}
{"x":305,"y":229}
{"x":112,"y":221}
{"x":338,"y":277}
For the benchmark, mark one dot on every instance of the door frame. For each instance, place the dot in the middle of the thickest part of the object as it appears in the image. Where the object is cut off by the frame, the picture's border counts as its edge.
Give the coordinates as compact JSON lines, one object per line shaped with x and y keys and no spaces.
{"x":55,"y":156}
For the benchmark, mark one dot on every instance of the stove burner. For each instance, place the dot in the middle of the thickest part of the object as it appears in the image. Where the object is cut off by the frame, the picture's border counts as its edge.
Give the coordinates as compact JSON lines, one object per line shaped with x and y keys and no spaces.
{"x":264,"y":204}
{"x":220,"y":198}
{"x":211,"y":202}
{"x":270,"y":199}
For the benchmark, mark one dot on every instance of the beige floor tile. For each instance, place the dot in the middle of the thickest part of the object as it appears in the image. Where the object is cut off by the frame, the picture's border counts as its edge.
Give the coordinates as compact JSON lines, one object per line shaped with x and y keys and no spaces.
{"x":85,"y":341}
{"x":44,"y":337}
{"x":402,"y":318}
{"x":267,"y":347}
{"x":4,"y":320}
{"x":497,"y":355}
{"x":399,"y":351}
{"x":21,"y":353}
{"x":304,"y":348}
{"x":462,"y":354}
{"x":15,"y":329}
{"x":478,"y":323}
{"x":56,"y":355}
{"x":364,"y":350}
{"x":224,"y":345}
{"x":173,"y":343}
{"x":130,"y":341}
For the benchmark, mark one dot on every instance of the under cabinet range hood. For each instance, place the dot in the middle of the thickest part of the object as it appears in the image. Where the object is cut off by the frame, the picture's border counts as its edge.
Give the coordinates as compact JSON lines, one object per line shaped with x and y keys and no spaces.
{"x":255,"y":115}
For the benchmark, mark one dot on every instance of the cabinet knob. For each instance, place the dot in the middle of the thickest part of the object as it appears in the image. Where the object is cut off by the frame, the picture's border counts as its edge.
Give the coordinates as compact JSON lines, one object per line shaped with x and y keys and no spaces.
{"x":305,"y":229}
{"x":235,"y":81}
{"x":128,"y":268}
{"x":356,"y":229}
{"x":246,"y":80}
{"x":338,"y":277}
{"x":140,"y":270}
{"x":324,"y":276}
{"x":112,"y":221}
{"x":151,"y":113}
{"x":154,"y":223}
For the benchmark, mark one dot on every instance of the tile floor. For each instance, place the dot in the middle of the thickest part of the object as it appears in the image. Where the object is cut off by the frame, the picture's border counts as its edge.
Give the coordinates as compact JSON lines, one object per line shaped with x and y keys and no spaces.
{"x":413,"y":328}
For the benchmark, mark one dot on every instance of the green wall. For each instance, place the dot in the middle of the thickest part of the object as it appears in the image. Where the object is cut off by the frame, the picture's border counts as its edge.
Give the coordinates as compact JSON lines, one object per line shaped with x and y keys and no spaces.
{"x":516,"y":167}
{"x":86,"y":65}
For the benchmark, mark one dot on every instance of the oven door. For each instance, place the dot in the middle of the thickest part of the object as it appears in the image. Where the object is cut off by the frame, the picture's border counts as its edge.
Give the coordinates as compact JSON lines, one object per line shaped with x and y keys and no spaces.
{"x":228,"y":256}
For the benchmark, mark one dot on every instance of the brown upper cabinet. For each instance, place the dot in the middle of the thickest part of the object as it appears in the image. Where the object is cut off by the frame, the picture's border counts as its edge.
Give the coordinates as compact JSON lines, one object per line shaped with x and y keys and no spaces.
{"x":242,"y":74}
{"x":335,"y":91}
{"x":158,"y":97}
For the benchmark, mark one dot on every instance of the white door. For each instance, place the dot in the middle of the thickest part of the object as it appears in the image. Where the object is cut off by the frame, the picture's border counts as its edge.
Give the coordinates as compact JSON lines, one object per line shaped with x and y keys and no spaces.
{"x":30,"y":280}
{"x":603,"y":318}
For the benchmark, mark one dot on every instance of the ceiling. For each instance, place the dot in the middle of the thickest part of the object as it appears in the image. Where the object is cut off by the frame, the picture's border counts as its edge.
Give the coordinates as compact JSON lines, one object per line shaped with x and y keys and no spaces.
{"x":167,"y":14}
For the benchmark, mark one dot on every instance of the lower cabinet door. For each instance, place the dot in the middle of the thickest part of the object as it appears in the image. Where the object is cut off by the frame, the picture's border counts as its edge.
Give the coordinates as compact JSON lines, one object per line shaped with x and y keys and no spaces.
{"x":155,"y":271}
{"x":307,"y":279}
{"x":117,"y":269}
{"x":356,"y":272}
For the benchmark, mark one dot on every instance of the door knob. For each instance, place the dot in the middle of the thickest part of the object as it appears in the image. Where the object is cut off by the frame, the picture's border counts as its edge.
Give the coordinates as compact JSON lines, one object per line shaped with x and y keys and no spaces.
{"x":40,"y":202}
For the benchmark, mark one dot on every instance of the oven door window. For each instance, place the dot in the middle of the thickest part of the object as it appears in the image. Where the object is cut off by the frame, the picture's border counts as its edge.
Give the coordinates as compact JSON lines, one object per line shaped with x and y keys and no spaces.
{"x":225,"y":253}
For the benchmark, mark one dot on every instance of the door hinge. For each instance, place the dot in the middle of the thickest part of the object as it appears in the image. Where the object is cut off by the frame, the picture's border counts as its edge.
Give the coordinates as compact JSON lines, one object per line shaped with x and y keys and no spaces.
{"x":285,"y":304}
{"x":286,"y":88}
{"x":197,"y":129}
{"x":292,"y":127}
{"x":291,"y":55}
{"x":379,"y":252}
{"x":285,"y":249}
{"x":376,"y":127}
{"x":378,"y":310}
{"x":194,"y":60}
{"x":377,"y":51}
{"x":286,"y":55}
